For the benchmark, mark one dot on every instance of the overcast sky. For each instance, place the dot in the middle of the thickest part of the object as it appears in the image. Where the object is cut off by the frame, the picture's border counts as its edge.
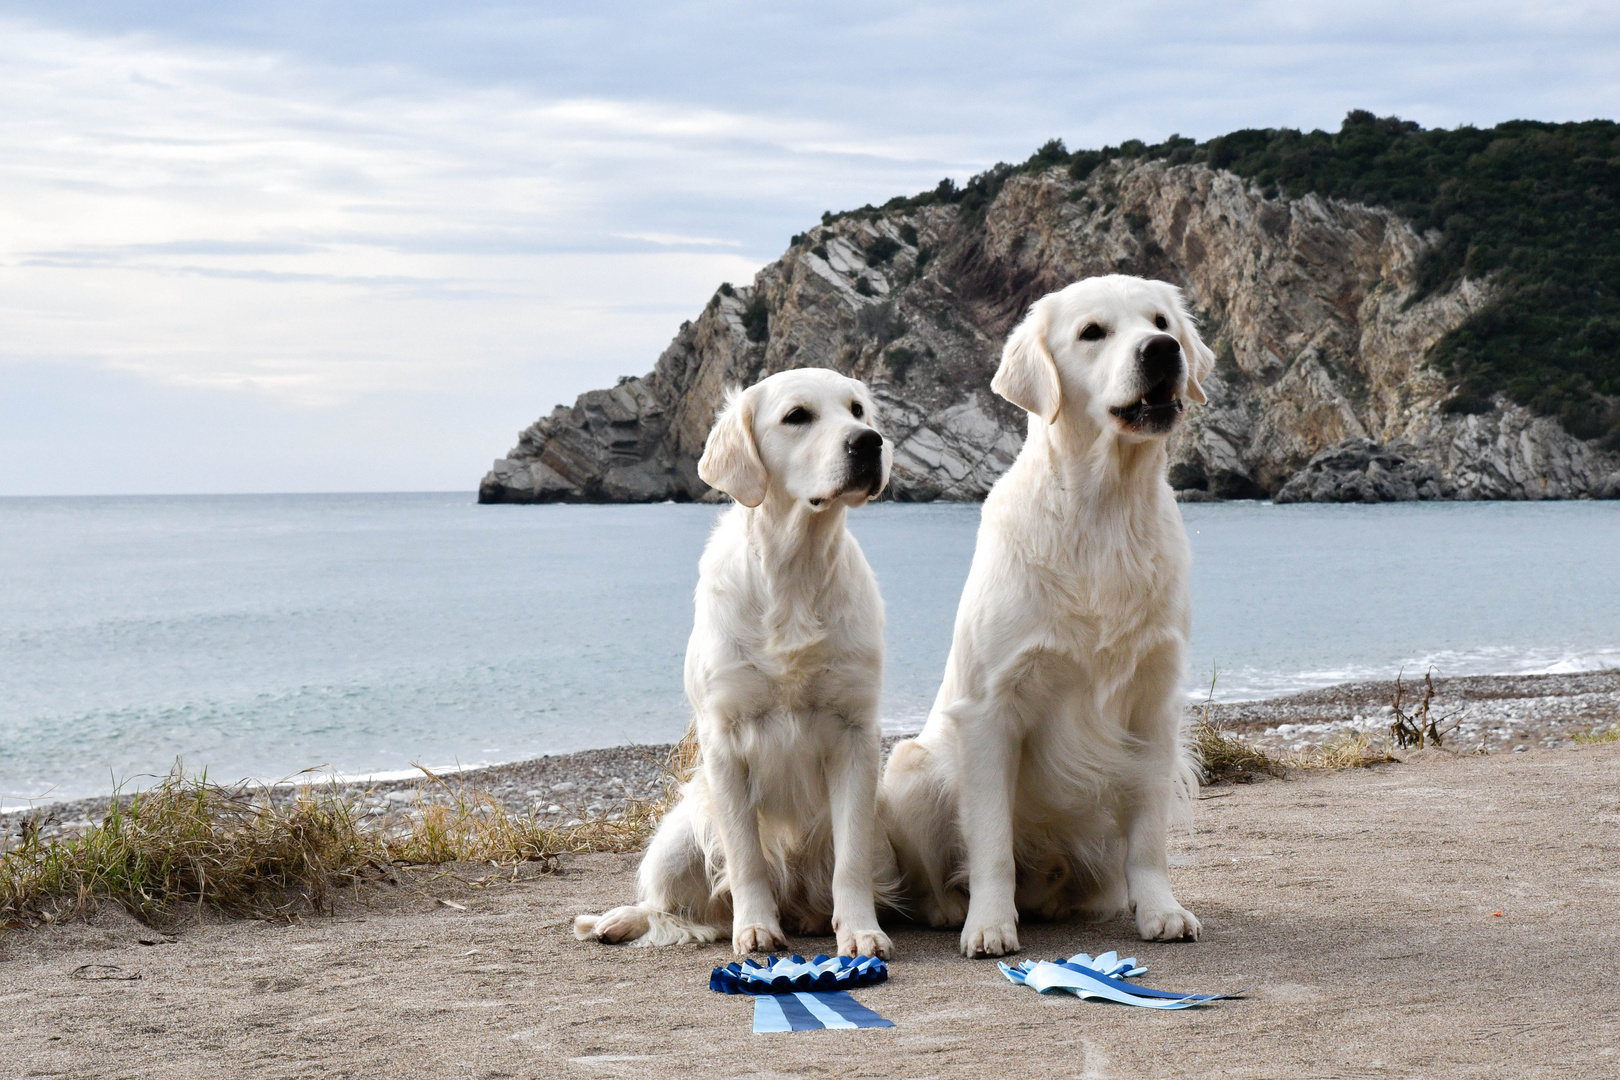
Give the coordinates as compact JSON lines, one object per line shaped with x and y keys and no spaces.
{"x":283,"y":246}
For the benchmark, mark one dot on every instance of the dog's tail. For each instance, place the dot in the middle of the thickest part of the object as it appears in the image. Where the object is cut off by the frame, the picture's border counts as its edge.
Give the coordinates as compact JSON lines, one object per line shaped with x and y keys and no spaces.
{"x":643,"y":925}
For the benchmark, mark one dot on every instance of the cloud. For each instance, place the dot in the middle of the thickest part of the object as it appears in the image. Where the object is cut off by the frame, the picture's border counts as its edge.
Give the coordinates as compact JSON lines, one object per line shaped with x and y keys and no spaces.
{"x":676,"y":240}
{"x":320,"y":206}
{"x":242,"y":222}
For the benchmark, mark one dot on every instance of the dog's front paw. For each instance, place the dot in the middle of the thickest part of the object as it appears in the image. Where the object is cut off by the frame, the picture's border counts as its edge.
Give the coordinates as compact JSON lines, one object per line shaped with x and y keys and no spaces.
{"x":989,"y":938}
{"x":872,"y":942}
{"x":756,"y":937}
{"x":1172,"y":923}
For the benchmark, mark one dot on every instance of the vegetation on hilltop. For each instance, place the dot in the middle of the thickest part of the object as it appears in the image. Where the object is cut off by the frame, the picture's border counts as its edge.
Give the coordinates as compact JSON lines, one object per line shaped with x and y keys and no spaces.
{"x":1537,"y":205}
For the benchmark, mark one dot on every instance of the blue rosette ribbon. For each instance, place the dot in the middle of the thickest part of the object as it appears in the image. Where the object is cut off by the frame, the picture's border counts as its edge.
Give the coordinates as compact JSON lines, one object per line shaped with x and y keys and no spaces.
{"x":1101,"y":978}
{"x":795,"y":974}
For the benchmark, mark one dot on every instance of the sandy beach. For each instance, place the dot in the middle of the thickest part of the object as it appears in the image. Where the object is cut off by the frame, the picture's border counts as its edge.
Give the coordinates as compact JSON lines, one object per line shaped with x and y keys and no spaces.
{"x":1452,"y":916}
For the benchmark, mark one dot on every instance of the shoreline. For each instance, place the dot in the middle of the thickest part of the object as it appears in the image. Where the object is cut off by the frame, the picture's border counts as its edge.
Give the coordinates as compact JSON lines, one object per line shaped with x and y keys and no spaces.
{"x":1487,"y":713}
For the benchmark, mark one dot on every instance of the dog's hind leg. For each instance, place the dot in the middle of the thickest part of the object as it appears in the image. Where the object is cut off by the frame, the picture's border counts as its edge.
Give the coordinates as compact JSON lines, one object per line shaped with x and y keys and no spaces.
{"x":918,"y":807}
{"x":676,"y":905}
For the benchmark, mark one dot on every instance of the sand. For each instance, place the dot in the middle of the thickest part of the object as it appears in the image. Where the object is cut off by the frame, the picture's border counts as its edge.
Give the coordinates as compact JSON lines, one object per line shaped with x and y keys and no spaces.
{"x":1358,"y":907}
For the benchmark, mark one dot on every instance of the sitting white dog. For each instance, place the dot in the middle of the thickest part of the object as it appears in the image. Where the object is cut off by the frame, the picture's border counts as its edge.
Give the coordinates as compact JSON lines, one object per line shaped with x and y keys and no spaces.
{"x":1044,"y":779}
{"x":784,"y":670}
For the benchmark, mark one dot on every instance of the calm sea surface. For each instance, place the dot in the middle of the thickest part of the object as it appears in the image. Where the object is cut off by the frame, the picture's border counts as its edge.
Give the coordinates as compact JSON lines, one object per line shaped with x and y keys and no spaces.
{"x":256,"y":635}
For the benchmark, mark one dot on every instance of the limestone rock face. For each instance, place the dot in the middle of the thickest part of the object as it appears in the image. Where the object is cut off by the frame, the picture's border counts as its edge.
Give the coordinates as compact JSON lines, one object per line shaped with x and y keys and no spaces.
{"x":1306,"y":303}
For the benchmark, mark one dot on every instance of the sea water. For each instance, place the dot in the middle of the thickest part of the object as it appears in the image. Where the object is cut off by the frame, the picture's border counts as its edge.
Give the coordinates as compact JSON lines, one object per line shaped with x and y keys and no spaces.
{"x":258,"y":635}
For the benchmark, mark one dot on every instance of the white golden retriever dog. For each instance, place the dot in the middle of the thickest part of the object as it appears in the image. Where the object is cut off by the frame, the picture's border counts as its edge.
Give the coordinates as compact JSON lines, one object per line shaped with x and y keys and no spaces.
{"x":1044,"y":779}
{"x":783,"y":669}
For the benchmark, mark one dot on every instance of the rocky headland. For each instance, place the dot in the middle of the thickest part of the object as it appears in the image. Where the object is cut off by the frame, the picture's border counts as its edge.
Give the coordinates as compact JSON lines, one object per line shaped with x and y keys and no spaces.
{"x":1324,"y":388}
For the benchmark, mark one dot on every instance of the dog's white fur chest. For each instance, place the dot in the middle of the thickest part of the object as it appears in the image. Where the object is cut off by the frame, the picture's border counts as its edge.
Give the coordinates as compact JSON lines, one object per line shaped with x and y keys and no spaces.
{"x":784,"y":634}
{"x":1070,"y":591}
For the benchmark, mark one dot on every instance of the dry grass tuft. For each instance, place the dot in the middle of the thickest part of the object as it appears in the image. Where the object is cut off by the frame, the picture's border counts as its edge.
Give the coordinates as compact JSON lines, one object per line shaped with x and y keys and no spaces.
{"x":1224,"y":758}
{"x":1227,"y":759}
{"x":1345,"y":752}
{"x":191,"y":844}
{"x":472,"y":827}
{"x":682,"y":762}
{"x":1592,"y":736}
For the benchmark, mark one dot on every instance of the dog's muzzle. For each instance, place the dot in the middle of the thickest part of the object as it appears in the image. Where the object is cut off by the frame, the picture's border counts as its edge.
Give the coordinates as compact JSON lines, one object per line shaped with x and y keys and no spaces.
{"x":864,"y":456}
{"x":1159,"y":368}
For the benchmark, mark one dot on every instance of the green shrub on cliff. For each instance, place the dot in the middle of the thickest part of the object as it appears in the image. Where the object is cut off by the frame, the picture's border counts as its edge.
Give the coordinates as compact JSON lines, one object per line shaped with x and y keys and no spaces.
{"x":881,"y":250}
{"x":756,"y":319}
{"x":1537,"y":205}
{"x":1534,"y":205}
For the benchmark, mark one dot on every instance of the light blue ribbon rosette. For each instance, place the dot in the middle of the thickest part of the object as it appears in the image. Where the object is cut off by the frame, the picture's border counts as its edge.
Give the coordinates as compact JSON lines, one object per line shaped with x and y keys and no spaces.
{"x":796,"y":994}
{"x":1101,"y":978}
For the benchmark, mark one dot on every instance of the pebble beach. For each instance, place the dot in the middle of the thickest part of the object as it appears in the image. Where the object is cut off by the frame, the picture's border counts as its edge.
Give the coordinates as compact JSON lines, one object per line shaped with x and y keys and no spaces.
{"x":1478,"y":714}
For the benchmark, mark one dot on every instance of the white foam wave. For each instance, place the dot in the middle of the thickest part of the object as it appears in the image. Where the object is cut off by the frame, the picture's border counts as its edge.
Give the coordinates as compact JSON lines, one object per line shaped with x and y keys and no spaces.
{"x":1254,"y":684}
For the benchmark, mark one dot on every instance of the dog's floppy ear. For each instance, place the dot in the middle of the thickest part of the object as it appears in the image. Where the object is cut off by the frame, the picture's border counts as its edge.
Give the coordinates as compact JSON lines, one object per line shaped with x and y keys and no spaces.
{"x":1201,"y":358}
{"x":1201,"y":363}
{"x":1028,"y":375}
{"x":730,"y":459}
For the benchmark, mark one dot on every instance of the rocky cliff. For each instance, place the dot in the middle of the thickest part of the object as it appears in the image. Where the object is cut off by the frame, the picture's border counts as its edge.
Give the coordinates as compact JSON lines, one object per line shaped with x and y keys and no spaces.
{"x":1321,"y":390}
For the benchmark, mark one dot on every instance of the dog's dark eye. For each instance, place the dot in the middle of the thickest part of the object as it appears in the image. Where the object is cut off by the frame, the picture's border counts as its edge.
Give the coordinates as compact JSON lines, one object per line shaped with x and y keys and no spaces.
{"x":800,"y":415}
{"x":857,"y":411}
{"x":1093,"y":332}
{"x":1161,"y":322}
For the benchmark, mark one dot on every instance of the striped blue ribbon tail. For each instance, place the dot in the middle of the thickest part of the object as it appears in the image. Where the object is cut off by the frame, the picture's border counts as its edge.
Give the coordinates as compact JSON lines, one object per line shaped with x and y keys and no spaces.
{"x":812,"y":1011}
{"x":1101,"y":979}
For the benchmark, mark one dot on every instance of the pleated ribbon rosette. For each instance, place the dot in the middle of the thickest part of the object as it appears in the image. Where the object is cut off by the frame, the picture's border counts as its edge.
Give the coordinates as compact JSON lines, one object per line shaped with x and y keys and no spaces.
{"x":798,"y":974}
{"x":796,"y":994}
{"x":1101,"y":978}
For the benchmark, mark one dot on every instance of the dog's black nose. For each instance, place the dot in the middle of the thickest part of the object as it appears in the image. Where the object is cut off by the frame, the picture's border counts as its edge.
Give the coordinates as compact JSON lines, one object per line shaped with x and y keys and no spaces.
{"x":867,"y":444}
{"x":1160,"y":359}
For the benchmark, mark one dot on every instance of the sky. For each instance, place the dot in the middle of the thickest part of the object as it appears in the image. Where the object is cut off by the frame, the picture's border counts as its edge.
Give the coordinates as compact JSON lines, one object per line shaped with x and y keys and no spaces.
{"x":289,"y":246}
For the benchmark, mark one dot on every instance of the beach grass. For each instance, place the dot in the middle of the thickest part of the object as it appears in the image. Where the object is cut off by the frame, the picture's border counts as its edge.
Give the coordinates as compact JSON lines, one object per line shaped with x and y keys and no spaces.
{"x":1227,"y":759}
{"x":1592,"y":736}
{"x":189,"y":844}
{"x":1223,"y":757}
{"x":1348,"y":751}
